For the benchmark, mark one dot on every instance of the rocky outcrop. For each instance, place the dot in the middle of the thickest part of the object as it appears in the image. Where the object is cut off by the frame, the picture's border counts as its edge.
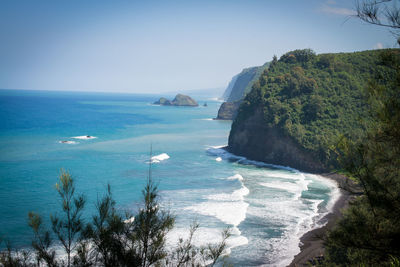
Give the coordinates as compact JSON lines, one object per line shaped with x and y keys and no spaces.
{"x":163,"y":101}
{"x":228,"y":110}
{"x":255,"y":140}
{"x":179,"y":100}
{"x":184,"y":100}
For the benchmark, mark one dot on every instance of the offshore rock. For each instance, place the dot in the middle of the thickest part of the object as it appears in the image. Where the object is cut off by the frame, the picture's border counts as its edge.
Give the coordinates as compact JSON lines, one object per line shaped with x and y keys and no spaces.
{"x":179,"y":100}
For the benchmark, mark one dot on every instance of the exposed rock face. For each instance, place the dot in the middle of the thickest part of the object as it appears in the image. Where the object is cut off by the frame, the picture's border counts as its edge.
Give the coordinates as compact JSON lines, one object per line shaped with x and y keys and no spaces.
{"x":184,"y":100}
{"x":163,"y":101}
{"x":255,"y":140}
{"x":228,"y":89}
{"x":179,"y":100}
{"x":238,"y":88}
{"x":228,"y":110}
{"x":243,"y":83}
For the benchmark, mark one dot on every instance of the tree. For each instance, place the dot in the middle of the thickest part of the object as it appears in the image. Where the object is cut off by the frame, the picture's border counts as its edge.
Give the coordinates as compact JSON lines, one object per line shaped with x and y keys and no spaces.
{"x":313,"y":109}
{"x":42,"y":241}
{"x":212,"y":253}
{"x":186,"y":252}
{"x":385,"y":13}
{"x":14,"y":257}
{"x":299,"y":55}
{"x":111,"y":238}
{"x":151,"y":225}
{"x":68,"y":227}
{"x":369,"y":232}
{"x":106,"y":234}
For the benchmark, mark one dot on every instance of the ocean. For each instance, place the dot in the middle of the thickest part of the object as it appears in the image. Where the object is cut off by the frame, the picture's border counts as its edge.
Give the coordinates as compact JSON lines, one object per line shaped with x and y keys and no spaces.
{"x":268,"y":208}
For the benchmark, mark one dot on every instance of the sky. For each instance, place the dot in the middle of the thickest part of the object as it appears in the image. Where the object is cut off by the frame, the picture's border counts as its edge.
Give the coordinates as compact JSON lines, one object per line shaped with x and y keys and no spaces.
{"x":163,"y":46}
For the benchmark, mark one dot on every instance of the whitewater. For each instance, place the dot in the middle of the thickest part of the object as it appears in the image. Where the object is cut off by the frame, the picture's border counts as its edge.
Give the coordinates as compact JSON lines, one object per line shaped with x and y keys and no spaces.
{"x":106,"y":139}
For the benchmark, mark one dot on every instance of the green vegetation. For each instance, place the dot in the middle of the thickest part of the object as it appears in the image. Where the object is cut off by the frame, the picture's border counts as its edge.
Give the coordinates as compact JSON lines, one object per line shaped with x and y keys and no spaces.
{"x":369,"y":233}
{"x":317,"y":99}
{"x":240,"y":85}
{"x":244,"y":82}
{"x":111,"y":238}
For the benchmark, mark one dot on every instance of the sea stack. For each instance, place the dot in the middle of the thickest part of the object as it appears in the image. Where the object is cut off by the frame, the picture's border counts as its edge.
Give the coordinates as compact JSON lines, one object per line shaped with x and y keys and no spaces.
{"x":179,"y":100}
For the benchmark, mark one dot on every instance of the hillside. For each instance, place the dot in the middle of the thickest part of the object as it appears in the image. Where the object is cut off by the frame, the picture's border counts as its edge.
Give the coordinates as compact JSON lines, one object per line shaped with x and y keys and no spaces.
{"x":228,"y":89}
{"x":303,"y":104}
{"x":238,"y":87}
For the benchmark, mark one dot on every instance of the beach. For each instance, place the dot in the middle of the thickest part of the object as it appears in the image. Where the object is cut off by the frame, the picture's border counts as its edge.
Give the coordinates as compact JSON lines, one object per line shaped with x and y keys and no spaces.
{"x":312,"y":242}
{"x":267,"y":207}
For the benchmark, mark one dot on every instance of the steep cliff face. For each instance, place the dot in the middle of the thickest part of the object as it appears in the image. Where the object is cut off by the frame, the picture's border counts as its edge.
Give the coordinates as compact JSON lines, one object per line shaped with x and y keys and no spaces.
{"x":228,"y":89}
{"x":237,"y":89}
{"x":303,"y":105}
{"x":243,"y":79}
{"x":228,"y":110}
{"x":255,"y":140}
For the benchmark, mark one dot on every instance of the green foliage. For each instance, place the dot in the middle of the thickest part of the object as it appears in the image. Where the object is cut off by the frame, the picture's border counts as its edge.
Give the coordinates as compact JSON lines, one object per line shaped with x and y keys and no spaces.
{"x":106,"y":233}
{"x":111,"y":238}
{"x":315,"y":99}
{"x":369,"y":233}
{"x":212,"y":253}
{"x":68,"y":227}
{"x":151,"y":226}
{"x":245,"y":81}
{"x":298,"y":56}
{"x":186,"y":254}
{"x":15,"y":258}
{"x":129,"y":241}
{"x":42,"y":241}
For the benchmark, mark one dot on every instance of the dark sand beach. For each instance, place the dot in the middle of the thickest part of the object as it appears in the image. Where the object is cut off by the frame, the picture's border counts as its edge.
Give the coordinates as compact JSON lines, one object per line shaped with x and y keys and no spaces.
{"x":312,"y":242}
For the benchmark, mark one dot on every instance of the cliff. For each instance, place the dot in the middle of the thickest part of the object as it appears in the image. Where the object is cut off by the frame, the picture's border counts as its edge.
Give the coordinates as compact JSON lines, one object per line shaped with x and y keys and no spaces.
{"x":241,"y":83}
{"x":255,"y":140}
{"x":228,"y":89}
{"x":228,"y":110}
{"x":303,"y":105}
{"x":237,"y":89}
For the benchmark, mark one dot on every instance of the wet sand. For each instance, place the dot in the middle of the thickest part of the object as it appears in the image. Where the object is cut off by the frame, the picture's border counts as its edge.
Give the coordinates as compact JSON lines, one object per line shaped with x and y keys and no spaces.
{"x":312,"y":242}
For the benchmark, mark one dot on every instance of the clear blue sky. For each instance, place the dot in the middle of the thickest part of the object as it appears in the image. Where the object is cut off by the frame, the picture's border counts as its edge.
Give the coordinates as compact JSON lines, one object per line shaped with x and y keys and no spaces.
{"x":159,"y":46}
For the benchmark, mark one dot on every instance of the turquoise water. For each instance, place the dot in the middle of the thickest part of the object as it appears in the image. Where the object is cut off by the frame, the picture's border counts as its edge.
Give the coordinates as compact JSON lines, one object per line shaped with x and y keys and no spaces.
{"x":267,"y":208}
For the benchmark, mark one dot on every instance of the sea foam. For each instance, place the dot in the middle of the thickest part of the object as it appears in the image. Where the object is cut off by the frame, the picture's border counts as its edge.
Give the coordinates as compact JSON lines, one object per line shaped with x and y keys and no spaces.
{"x":221,"y":152}
{"x":159,"y":158}
{"x":68,"y":142}
{"x":294,"y":216}
{"x":229,"y":212}
{"x":84,"y":137}
{"x":228,"y":208}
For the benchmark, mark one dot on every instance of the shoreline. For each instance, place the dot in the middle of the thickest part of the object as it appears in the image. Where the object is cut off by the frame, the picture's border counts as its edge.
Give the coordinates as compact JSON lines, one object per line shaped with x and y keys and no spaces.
{"x":311,"y":243}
